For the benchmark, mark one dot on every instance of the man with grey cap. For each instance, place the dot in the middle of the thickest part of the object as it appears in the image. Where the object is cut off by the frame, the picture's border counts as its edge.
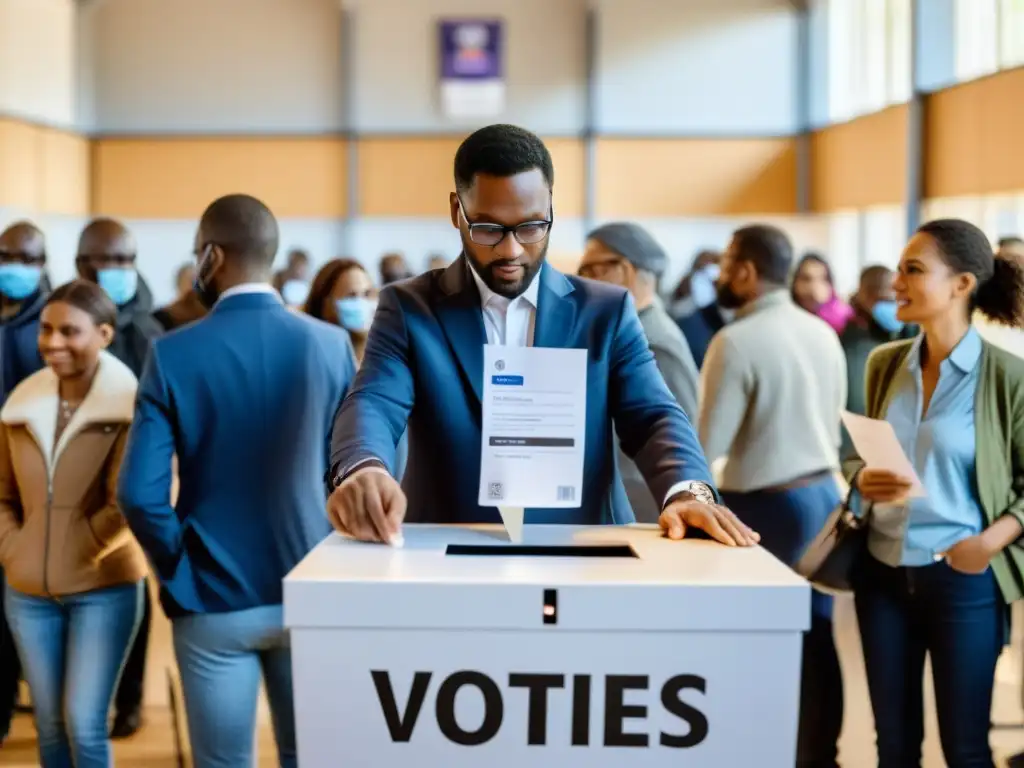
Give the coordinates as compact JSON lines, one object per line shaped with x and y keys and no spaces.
{"x":626,"y":254}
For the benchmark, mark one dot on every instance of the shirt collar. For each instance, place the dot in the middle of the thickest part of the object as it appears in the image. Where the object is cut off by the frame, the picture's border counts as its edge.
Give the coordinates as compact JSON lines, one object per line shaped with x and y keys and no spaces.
{"x":770,"y":299}
{"x":244,"y":288}
{"x":965,"y":355}
{"x":487,"y":295}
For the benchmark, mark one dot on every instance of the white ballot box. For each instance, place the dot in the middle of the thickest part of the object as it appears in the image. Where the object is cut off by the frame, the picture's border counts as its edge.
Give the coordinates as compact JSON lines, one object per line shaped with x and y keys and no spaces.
{"x":582,"y":646}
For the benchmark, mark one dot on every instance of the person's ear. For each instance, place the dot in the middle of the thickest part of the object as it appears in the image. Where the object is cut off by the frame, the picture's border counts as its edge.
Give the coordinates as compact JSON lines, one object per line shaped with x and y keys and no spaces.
{"x":964,"y":285}
{"x":106,"y":335}
{"x":453,"y":203}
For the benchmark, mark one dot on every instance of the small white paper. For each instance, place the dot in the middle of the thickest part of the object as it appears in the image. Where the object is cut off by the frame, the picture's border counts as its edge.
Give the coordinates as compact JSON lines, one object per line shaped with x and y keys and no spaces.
{"x":513,"y":519}
{"x":879,"y":448}
{"x":534,"y":426}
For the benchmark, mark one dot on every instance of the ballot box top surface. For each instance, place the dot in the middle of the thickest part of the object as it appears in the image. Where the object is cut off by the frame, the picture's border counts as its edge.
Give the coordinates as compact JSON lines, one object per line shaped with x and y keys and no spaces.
{"x":559,"y":578}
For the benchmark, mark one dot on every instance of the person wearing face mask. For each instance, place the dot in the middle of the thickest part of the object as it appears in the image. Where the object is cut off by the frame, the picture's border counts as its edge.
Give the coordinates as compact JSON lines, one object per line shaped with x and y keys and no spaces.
{"x":292,"y":282}
{"x":107,"y":256}
{"x":695,"y":305}
{"x":227,"y":395}
{"x":814,"y":290}
{"x":625,"y":254}
{"x":23,"y":294}
{"x":343,"y":294}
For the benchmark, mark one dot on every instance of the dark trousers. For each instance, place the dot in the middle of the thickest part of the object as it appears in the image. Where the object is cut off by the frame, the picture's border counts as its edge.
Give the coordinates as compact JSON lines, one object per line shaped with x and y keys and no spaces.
{"x":787,"y":520}
{"x":10,"y":668}
{"x":960,"y":621}
{"x":129,"y":691}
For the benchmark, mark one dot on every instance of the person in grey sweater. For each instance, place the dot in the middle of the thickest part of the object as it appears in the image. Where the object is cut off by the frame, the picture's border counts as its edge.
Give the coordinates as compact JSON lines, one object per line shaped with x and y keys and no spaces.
{"x":626,"y":254}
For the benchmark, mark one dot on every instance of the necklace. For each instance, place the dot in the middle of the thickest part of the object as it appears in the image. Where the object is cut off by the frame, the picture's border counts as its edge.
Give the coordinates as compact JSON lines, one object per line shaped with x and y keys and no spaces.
{"x":67,"y":410}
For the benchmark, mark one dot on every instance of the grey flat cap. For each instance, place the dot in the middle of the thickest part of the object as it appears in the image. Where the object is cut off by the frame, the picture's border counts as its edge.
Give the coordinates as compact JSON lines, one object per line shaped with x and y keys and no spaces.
{"x":634,"y":244}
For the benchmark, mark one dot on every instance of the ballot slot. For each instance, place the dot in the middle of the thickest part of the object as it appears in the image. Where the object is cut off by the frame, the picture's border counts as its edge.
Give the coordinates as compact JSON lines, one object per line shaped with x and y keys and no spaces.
{"x":542,"y":550}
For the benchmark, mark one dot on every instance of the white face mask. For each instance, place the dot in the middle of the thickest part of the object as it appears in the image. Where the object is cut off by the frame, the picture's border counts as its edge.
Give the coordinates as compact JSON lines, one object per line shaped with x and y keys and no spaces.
{"x":294,"y":292}
{"x":702,"y":286}
{"x":355,"y":313}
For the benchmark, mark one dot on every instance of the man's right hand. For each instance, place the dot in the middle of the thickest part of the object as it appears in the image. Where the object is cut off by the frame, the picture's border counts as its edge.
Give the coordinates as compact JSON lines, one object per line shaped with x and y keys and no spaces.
{"x":882,"y":486}
{"x":369,"y":505}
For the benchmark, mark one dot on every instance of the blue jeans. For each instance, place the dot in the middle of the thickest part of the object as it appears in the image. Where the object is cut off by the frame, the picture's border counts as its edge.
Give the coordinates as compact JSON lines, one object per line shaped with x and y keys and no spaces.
{"x":221,"y":657}
{"x":959,"y":620}
{"x":787,"y":521}
{"x":73,"y":649}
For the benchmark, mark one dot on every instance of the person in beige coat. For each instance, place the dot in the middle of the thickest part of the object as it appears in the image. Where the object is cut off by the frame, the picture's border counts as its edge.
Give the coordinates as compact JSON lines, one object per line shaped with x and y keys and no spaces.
{"x":74,"y":571}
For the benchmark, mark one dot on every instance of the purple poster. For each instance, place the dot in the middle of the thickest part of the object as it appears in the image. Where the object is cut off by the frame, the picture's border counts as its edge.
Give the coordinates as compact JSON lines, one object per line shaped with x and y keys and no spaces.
{"x":472,"y":67}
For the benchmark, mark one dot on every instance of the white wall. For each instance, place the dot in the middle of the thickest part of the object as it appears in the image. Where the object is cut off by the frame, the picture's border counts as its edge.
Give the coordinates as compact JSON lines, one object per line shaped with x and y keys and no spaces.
{"x":396,"y":64}
{"x":37,"y":60}
{"x":215,"y":66}
{"x":700,"y":67}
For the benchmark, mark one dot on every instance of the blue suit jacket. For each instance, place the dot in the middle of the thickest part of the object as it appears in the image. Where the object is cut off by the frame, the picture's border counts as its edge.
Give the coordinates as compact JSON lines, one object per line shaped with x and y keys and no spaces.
{"x":245,"y":397}
{"x":423,"y":365}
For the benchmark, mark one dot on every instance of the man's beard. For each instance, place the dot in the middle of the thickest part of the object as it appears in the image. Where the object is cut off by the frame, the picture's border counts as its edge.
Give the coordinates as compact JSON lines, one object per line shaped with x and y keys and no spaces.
{"x":501,"y":286}
{"x":728,"y":298}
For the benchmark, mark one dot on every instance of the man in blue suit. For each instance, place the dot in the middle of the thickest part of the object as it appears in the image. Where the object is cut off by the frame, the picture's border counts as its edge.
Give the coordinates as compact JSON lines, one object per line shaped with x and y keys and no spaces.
{"x":423,"y":365}
{"x":245,"y":399}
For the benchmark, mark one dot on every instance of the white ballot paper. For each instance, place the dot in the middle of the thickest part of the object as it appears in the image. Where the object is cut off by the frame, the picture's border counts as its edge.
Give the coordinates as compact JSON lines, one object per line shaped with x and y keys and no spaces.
{"x":877,"y":444}
{"x":534,"y":425}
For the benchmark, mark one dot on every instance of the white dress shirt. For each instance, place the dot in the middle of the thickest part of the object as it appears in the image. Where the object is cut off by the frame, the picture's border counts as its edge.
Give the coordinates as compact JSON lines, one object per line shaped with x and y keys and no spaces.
{"x":509,"y":322}
{"x":243,"y":288}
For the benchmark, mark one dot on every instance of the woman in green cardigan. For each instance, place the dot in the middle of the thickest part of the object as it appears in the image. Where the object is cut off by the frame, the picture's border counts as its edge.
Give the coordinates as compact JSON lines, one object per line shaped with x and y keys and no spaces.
{"x":941,"y":569}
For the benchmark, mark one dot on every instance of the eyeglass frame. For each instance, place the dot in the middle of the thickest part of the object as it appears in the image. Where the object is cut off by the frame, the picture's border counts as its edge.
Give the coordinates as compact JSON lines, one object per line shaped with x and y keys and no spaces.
{"x":505,"y":230}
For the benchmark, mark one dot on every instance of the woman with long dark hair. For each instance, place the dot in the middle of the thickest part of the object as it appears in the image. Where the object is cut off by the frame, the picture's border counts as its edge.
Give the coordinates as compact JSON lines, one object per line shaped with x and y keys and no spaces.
{"x":74,"y":571}
{"x":814,"y":289}
{"x":942,"y":567}
{"x":343,"y":294}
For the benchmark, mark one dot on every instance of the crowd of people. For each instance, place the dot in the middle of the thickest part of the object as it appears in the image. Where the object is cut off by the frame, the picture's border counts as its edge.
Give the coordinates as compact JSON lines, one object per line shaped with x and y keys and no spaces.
{"x":191,"y":445}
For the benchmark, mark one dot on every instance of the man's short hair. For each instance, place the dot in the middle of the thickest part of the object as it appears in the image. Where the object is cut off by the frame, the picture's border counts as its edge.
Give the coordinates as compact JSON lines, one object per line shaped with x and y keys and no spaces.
{"x":768,"y":249}
{"x":501,"y":150}
{"x":243,"y":226}
{"x":1011,"y":241}
{"x":875,"y":277}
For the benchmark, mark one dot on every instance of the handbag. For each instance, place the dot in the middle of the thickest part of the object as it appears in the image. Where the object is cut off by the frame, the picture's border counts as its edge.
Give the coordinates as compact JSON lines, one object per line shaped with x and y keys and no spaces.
{"x":829,"y":560}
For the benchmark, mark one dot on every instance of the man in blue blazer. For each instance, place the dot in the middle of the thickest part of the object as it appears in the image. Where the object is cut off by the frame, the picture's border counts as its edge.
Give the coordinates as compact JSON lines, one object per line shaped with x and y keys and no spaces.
{"x":244,"y":398}
{"x":423,"y":365}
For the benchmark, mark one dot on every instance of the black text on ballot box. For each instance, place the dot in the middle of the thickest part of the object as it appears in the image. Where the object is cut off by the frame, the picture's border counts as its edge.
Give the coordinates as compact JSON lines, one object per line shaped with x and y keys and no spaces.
{"x":583,"y":646}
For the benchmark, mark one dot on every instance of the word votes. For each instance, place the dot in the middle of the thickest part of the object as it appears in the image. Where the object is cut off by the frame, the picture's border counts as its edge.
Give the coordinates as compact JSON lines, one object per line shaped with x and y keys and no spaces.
{"x":615,"y":710}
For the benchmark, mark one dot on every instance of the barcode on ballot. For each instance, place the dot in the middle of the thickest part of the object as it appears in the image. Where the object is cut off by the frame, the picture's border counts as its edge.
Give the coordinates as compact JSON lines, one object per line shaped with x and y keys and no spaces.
{"x":566,"y":493}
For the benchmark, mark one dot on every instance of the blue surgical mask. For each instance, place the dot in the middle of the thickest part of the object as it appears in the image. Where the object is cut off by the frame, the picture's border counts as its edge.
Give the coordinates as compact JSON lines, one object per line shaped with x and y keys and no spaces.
{"x":884,"y":313}
{"x":702,"y":286}
{"x":19,"y":281}
{"x":355,"y":313}
{"x":120,"y":284}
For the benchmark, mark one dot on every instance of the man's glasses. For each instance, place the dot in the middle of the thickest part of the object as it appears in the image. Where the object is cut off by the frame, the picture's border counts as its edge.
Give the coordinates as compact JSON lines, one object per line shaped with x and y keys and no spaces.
{"x":527,"y":233}
{"x":107,"y":260}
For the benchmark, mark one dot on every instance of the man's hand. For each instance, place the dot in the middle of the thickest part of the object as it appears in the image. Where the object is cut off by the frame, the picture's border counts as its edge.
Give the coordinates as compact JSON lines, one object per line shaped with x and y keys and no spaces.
{"x":369,"y":505}
{"x":971,"y":555}
{"x":720,"y":523}
{"x":882,"y":486}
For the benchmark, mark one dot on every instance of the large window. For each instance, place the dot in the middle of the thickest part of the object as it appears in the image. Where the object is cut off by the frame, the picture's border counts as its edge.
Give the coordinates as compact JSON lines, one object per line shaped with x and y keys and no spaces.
{"x":868,"y":56}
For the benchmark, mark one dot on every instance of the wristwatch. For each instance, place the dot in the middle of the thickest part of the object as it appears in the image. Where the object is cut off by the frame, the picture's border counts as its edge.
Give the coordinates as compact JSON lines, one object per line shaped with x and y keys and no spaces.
{"x":699,"y":491}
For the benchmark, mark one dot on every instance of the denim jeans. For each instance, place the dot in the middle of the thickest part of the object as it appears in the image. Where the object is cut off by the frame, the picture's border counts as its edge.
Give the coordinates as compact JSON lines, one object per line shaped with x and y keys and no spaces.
{"x":221,"y":658}
{"x":787,"y":521}
{"x":72,"y":649}
{"x":960,"y":621}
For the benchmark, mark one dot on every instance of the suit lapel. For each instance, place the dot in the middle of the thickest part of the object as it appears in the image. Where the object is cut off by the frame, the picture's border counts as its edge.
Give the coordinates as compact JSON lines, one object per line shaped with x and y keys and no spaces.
{"x":459,"y":313}
{"x":556,"y":313}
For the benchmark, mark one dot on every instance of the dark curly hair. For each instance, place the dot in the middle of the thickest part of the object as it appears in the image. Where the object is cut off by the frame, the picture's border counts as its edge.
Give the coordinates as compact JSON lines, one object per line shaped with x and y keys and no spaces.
{"x":966,"y":249}
{"x":503,"y":151}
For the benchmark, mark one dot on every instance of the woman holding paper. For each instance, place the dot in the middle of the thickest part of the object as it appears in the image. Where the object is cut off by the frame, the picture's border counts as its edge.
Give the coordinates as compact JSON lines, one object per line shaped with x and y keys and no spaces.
{"x":941,"y":569}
